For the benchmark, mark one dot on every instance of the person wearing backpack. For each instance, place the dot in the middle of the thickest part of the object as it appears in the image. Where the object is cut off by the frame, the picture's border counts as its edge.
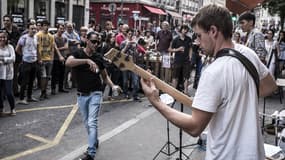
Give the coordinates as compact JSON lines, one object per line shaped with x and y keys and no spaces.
{"x":27,"y":47}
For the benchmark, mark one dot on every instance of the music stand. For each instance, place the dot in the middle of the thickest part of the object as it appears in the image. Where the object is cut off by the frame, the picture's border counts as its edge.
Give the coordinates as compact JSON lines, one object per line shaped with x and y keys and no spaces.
{"x":169,"y":143}
{"x":167,"y":99}
{"x":180,"y":87}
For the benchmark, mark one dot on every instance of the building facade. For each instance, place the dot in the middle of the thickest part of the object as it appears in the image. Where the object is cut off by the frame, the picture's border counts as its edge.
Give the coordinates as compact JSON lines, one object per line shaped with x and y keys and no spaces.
{"x":188,"y":8}
{"x":56,"y":11}
{"x":136,"y":13}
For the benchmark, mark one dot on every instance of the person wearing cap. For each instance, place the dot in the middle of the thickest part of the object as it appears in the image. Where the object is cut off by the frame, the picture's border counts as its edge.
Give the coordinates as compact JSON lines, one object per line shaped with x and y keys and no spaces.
{"x":45,"y":48}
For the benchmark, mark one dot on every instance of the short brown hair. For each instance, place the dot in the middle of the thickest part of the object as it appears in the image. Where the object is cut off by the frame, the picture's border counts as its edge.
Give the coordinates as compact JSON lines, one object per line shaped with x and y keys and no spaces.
{"x":214,"y":15}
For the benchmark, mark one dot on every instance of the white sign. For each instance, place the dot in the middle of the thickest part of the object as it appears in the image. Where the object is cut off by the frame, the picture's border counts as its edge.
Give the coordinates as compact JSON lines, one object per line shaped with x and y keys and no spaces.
{"x":136,"y":12}
{"x":166,"y":61}
{"x":144,"y":18}
{"x":112,"y":7}
{"x":136,"y":17}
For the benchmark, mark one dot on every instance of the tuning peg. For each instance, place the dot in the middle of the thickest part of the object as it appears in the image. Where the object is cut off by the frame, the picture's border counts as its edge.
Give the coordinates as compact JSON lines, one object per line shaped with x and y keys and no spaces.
{"x":127,"y":58}
{"x":115,"y":59}
{"x":118,"y":54}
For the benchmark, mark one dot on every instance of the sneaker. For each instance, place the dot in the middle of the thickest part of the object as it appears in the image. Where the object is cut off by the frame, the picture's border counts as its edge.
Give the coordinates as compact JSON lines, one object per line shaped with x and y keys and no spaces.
{"x":86,"y":157}
{"x":13,"y":112}
{"x":137,"y":99}
{"x":24,"y":102}
{"x":126,"y":96}
{"x":32,"y":99}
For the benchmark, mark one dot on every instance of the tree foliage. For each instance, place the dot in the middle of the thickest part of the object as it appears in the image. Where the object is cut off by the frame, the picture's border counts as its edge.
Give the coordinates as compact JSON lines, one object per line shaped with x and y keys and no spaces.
{"x":276,"y":7}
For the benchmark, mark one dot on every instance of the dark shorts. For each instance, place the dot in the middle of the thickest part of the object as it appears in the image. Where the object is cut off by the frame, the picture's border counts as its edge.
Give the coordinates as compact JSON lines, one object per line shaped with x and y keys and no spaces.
{"x":181,"y":68}
{"x":46,"y":68}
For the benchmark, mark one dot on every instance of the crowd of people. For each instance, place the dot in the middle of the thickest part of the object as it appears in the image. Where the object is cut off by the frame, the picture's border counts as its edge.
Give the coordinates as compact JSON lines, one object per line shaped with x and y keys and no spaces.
{"x":39,"y":56}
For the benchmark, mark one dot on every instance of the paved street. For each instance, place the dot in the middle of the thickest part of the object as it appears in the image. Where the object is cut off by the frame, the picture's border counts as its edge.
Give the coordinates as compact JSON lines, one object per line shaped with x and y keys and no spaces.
{"x":52,"y":130}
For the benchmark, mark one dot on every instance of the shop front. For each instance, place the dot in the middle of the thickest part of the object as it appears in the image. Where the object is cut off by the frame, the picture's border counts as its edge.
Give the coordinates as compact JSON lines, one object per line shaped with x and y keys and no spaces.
{"x":115,"y":12}
{"x":41,"y":10}
{"x":18,"y":10}
{"x":61,"y":11}
{"x":135,"y":15}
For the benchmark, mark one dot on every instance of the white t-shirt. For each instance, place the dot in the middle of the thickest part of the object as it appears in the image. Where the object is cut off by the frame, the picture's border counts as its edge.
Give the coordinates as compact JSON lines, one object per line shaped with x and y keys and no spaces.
{"x":227,"y":89}
{"x":29,"y":45}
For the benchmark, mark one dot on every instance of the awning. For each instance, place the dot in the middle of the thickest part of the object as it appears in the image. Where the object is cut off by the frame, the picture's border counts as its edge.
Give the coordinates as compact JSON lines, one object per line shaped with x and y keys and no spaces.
{"x":174,"y":14}
{"x":155,"y":10}
{"x":239,"y":6}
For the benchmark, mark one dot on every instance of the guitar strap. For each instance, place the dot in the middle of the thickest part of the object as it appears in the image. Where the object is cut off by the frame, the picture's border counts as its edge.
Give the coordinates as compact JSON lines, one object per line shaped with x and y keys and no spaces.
{"x":245,"y":61}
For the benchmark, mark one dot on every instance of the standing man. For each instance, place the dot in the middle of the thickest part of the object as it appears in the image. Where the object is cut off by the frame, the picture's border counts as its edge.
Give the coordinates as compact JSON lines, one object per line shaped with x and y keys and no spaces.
{"x":13,"y":37}
{"x":58,"y":68}
{"x":226,"y":99}
{"x":181,"y":46}
{"x":45,"y":56}
{"x":73,"y":40}
{"x":254,"y":38}
{"x":107,"y":30}
{"x":130,"y":47}
{"x":27,"y":48}
{"x":163,"y":41}
{"x":89,"y":67}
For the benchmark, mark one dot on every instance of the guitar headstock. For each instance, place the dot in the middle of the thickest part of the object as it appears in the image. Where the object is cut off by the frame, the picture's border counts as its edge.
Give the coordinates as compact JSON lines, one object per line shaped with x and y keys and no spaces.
{"x":121,"y":60}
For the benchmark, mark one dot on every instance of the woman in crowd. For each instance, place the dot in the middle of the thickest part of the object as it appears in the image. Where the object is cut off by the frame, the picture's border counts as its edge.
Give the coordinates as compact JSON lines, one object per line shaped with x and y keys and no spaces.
{"x":271,"y":48}
{"x":7,"y":59}
{"x":149,"y":39}
{"x":237,"y":38}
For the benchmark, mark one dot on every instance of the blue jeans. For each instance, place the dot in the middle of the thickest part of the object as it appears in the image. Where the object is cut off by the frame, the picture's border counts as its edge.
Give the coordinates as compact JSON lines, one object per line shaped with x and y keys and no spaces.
{"x":89,"y":107}
{"x":6,"y":86}
{"x":135,"y":83}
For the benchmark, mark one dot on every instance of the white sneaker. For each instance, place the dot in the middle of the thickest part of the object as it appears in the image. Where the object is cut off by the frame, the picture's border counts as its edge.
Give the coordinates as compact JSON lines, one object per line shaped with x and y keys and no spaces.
{"x":24,"y":102}
{"x":13,"y":112}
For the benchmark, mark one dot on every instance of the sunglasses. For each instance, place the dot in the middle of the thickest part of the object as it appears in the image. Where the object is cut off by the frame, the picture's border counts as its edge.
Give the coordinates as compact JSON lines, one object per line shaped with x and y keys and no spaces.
{"x":94,"y":41}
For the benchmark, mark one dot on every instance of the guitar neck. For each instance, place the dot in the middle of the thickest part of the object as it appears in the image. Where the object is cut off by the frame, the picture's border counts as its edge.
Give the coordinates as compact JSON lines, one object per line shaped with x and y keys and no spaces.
{"x":179,"y":96}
